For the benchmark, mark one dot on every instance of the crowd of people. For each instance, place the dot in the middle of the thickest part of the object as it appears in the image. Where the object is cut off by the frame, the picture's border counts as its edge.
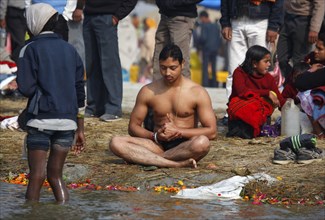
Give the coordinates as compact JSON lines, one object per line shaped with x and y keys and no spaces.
{"x":172,"y":121}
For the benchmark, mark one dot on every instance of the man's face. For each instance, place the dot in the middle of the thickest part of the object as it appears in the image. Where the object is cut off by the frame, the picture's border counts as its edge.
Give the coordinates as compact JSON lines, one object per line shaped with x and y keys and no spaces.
{"x":320,"y":51}
{"x":170,"y":69}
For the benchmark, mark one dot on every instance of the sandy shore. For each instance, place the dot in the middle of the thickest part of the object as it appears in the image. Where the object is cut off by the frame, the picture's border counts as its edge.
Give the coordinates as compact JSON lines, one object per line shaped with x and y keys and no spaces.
{"x":228,"y":157}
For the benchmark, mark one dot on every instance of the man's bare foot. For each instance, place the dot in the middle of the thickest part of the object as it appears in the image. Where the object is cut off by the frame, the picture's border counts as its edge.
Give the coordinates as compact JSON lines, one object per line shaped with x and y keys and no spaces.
{"x":188,"y":163}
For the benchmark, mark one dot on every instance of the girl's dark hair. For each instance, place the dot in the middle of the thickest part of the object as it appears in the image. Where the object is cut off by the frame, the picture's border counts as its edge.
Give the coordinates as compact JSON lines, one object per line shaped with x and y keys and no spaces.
{"x":253,"y":54}
{"x":51,"y":23}
{"x":173,"y":51}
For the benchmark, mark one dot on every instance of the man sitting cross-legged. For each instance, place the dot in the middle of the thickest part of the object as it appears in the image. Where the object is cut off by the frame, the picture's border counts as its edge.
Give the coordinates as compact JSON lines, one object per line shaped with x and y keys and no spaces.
{"x":178,"y":105}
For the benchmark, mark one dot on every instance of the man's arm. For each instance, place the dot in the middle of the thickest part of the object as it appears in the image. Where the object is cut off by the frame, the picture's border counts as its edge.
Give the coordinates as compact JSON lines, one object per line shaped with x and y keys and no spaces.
{"x":69,"y":9}
{"x":125,"y":9}
{"x":226,"y":29}
{"x":310,"y":80}
{"x":275,"y":20}
{"x":316,"y":20}
{"x":276,"y":15}
{"x":225,"y":13}
{"x":77,"y":15}
{"x":138,"y":115}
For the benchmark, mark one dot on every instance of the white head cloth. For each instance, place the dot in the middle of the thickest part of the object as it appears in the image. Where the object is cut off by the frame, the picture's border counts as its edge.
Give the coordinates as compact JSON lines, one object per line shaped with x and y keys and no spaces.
{"x":37,"y":15}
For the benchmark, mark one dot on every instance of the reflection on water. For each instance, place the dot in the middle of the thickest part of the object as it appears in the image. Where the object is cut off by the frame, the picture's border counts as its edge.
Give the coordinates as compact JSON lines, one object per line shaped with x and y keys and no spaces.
{"x":139,"y":205}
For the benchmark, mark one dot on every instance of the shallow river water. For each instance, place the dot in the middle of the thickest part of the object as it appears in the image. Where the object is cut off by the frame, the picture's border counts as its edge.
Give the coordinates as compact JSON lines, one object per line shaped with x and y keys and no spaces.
{"x":140,"y":205}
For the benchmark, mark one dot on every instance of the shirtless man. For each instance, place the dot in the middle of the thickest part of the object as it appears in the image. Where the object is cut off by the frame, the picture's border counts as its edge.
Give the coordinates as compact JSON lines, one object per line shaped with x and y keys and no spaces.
{"x":178,"y":106}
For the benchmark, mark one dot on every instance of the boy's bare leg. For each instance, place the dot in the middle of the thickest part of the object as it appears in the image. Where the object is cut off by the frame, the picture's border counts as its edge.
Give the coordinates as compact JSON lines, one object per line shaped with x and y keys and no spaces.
{"x":55,"y":164}
{"x":36,"y":163}
{"x":135,"y":150}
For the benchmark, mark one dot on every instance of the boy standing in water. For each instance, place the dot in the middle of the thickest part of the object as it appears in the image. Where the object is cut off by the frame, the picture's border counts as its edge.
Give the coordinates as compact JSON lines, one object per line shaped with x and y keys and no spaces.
{"x":50,"y":74}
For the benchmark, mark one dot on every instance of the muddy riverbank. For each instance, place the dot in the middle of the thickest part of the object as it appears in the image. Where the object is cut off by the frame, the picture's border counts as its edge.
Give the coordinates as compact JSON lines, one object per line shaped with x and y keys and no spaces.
{"x":228,"y":157}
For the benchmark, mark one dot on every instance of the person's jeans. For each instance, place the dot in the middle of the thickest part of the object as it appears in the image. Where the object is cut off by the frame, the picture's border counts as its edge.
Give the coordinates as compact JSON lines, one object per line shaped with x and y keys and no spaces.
{"x":209,"y":57}
{"x":44,"y":139}
{"x":103,"y":66}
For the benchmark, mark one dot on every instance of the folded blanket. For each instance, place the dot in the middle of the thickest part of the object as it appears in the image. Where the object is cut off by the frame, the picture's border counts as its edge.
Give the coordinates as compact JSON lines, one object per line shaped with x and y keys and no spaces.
{"x":251,"y":109}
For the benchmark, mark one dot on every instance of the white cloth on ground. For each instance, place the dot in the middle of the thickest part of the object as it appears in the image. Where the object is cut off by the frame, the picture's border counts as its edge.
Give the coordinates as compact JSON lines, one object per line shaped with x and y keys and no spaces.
{"x":10,"y":123}
{"x":226,"y":189}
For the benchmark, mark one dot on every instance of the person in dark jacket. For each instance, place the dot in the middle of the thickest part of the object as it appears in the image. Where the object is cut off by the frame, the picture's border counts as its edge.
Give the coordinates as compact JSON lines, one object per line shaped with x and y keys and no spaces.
{"x":175,"y":26}
{"x":246,"y":23}
{"x":103,"y":66}
{"x":50,"y":74}
{"x":209,"y":41}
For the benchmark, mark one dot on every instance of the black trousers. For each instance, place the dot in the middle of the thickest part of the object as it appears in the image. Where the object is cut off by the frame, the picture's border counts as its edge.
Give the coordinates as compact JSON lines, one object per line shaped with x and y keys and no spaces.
{"x":293,"y":42}
{"x":16,"y":26}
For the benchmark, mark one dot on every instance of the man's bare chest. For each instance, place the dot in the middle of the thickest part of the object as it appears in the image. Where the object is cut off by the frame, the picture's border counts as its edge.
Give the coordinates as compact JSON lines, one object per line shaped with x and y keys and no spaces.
{"x":180,"y":105}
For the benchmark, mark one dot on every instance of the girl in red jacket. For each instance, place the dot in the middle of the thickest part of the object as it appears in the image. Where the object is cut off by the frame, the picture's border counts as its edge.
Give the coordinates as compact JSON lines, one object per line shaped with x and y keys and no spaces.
{"x":254,"y":93}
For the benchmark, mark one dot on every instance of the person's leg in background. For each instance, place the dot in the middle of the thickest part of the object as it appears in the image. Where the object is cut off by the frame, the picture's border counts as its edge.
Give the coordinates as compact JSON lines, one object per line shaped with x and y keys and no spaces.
{"x":93,"y":70}
{"x":205,"y":68}
{"x":110,"y":66}
{"x":256,"y":33}
{"x":181,"y":29}
{"x":16,"y":26}
{"x":285,"y":45}
{"x":301,"y":46}
{"x":162,"y":38}
{"x":76,"y":38}
{"x":213,"y":61}
{"x":237,"y":48}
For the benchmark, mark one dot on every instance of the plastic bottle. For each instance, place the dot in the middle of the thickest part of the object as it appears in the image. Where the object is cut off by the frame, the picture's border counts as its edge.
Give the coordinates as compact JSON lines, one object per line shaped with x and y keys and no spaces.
{"x":3,"y":37}
{"x":305,"y":124}
{"x":290,"y":119}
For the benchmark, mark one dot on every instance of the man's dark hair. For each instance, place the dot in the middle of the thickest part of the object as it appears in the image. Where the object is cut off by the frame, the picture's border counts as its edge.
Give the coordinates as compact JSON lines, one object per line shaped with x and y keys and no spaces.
{"x":173,"y":51}
{"x":204,"y":14}
{"x":298,"y":69}
{"x":253,"y":54}
{"x":51,"y":23}
{"x":321,"y":37}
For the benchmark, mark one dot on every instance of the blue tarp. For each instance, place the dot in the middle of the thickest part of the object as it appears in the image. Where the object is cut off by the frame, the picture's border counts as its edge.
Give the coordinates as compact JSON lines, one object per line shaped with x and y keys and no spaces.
{"x":214,"y":4}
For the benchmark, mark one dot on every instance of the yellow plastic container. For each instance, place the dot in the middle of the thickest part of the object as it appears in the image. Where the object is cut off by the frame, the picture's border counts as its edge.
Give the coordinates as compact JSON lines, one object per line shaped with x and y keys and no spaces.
{"x":196,"y":75}
{"x":222,"y":76}
{"x":134,"y":72}
{"x":196,"y":70}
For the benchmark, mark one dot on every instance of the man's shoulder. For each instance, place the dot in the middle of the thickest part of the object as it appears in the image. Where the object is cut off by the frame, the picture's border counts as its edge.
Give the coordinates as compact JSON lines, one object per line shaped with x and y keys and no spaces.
{"x":193,"y":88}
{"x":148,"y":89}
